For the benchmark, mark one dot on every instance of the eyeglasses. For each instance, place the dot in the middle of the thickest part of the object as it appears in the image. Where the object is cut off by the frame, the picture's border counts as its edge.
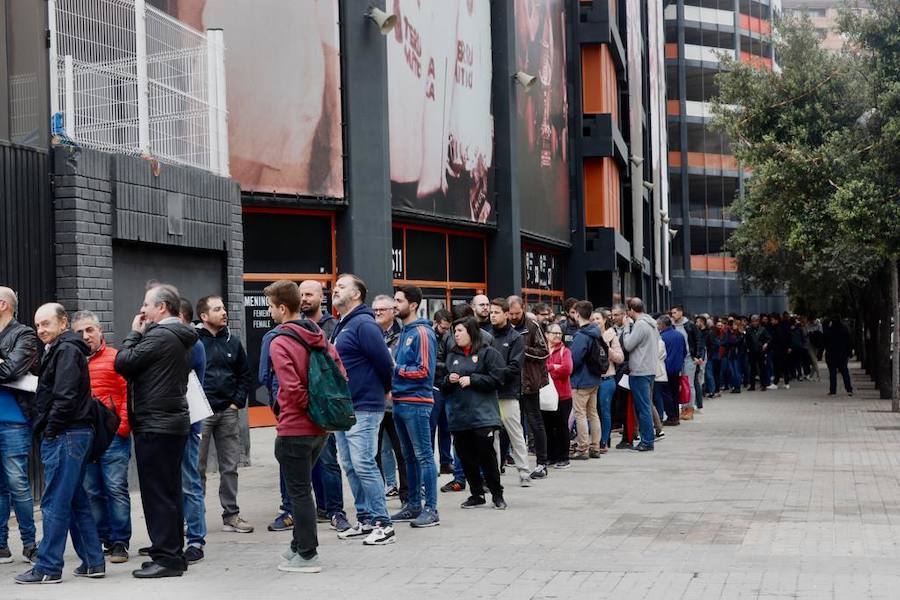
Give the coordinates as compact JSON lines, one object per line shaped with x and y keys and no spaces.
{"x":381,"y":310}
{"x":554,"y":333}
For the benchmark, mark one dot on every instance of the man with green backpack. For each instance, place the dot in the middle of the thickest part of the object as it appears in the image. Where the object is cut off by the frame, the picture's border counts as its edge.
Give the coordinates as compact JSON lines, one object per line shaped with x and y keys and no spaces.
{"x":313,"y":397}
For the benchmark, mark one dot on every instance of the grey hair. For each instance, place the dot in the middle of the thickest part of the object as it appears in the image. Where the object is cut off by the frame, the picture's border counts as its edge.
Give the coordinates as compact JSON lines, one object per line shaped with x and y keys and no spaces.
{"x":665,"y":321}
{"x":10,"y":297}
{"x":164,"y":293}
{"x":382,"y":297}
{"x":85,"y":315}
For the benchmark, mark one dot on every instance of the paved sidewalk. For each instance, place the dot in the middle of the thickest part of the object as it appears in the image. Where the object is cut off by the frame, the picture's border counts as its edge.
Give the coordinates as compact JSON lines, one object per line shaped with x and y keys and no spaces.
{"x":787,"y":494}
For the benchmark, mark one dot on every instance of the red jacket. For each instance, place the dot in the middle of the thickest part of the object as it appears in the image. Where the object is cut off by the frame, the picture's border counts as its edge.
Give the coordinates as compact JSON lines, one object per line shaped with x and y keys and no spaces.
{"x":290,"y":360}
{"x":108,"y":386}
{"x":559,"y":366}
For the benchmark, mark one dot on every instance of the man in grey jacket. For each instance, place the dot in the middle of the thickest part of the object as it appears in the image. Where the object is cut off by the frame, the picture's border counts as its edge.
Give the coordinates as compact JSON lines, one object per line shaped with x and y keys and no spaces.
{"x":641,"y":340}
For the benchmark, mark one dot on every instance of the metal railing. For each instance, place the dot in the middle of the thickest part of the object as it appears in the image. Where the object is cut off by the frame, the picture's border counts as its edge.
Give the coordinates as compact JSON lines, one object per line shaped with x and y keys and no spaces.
{"x":128,"y":78}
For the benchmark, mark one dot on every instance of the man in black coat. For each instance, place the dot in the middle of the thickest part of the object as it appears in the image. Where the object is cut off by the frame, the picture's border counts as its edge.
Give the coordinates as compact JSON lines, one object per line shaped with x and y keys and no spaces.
{"x":62,"y":421}
{"x":155,"y":359}
{"x":837,"y":354}
{"x":18,"y":356}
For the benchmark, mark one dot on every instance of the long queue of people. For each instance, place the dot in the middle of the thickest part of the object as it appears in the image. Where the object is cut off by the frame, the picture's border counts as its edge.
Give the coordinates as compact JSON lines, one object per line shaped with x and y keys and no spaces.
{"x":471,"y":393}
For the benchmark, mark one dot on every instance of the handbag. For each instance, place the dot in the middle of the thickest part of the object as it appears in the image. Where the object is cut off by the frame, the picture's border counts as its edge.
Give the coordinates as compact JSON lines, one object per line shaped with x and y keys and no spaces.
{"x":549,"y":398}
{"x":685,"y":392}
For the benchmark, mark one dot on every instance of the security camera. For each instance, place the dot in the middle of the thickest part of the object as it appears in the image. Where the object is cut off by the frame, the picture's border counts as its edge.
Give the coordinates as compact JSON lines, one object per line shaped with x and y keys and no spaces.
{"x":384,"y":21}
{"x":524,"y":79}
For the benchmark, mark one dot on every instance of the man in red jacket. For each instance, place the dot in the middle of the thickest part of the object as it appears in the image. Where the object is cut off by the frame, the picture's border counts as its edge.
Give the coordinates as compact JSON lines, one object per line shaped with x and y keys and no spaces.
{"x":299,"y":440}
{"x":106,"y":481}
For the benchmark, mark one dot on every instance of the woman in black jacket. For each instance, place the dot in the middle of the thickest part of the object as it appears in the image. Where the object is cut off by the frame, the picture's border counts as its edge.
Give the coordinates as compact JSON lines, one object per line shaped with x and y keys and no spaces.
{"x":474,"y":372}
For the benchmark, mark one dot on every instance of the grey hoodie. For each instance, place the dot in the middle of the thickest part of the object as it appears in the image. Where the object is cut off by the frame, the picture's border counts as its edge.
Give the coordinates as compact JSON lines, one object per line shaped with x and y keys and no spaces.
{"x":641,"y":341}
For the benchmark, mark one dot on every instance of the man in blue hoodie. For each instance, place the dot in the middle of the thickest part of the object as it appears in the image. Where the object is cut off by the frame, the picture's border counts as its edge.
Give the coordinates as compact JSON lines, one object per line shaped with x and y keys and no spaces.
{"x":676,"y":351}
{"x":412,"y":391}
{"x":369,"y":366}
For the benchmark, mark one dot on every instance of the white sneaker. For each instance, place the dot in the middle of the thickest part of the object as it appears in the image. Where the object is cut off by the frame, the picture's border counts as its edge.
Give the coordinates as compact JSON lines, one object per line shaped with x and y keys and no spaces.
{"x":298,"y":564}
{"x":787,"y":386}
{"x":772,"y":386}
{"x":381,"y":536}
{"x":524,"y":479}
{"x":357,"y":530}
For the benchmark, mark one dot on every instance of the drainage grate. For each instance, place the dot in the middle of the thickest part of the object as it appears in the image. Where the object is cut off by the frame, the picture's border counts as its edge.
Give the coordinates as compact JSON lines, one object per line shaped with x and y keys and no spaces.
{"x":886,"y":427}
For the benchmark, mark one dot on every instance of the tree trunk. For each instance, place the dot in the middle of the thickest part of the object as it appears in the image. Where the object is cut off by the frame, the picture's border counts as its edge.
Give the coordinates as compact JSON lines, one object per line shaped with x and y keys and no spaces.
{"x":895,"y":346}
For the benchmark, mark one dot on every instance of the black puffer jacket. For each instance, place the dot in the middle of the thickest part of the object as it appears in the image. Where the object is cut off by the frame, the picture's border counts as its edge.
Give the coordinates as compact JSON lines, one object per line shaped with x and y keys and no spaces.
{"x":228,"y":378}
{"x":510,"y":344}
{"x":156,"y":365}
{"x":63,"y":397}
{"x":20,"y":354}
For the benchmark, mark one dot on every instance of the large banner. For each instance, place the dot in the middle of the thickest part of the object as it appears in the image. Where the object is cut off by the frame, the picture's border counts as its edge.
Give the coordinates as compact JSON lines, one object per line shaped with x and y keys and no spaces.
{"x":282,"y":71}
{"x":439,"y":105}
{"x":542,"y":118}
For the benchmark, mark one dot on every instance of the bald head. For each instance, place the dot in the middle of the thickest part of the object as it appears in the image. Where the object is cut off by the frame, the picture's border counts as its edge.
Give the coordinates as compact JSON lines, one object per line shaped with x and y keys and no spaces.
{"x":481,"y":305}
{"x":311,"y":295}
{"x":50,"y":321}
{"x":9,"y":302}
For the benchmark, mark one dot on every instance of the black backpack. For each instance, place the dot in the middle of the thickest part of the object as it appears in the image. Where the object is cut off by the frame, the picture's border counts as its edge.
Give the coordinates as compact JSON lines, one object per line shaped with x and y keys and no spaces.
{"x":105,"y":424}
{"x":597,"y":361}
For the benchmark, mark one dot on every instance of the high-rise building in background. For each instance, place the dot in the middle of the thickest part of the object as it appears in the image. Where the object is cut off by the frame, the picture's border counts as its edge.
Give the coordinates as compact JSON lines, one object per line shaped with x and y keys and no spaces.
{"x":823,"y":14}
{"x":704,"y":177}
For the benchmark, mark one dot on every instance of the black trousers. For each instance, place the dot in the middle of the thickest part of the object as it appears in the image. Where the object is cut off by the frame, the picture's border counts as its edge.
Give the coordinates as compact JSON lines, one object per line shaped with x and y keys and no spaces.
{"x":475,"y":448}
{"x":835,"y":367}
{"x":388,"y":429}
{"x":530,"y":404}
{"x":297,"y":455}
{"x":556,"y":424}
{"x":673,"y":400}
{"x":781,"y":364}
{"x":158,"y":457}
{"x":758,"y":369}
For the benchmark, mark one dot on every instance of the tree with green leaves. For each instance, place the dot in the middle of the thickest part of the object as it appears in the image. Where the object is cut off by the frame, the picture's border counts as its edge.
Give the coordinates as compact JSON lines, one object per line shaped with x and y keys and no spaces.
{"x":821,"y":137}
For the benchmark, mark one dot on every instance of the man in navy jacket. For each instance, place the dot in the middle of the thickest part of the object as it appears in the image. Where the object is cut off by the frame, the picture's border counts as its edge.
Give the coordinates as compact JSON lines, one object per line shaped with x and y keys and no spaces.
{"x":369,"y":367}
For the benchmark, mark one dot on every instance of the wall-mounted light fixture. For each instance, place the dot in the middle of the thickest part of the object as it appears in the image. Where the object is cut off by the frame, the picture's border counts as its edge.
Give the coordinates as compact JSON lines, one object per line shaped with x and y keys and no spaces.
{"x":384,"y":21}
{"x":524,"y":79}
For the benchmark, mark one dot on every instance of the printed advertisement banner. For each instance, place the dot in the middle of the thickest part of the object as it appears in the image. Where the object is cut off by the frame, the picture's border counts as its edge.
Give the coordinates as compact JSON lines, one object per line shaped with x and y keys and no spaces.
{"x":439,"y":100}
{"x":282,"y":72}
{"x":542,"y":173}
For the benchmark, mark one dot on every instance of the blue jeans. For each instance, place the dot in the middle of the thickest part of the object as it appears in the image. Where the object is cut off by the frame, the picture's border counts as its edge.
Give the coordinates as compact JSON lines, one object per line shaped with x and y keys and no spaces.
{"x":193,"y":498}
{"x":710,"y":382}
{"x":15,"y":445}
{"x":413,"y":422}
{"x":356,"y":450}
{"x":440,"y":426}
{"x":65,"y":508}
{"x":388,"y":461}
{"x":106,"y":484}
{"x":285,"y":498}
{"x":640,"y":391}
{"x":328,"y":484}
{"x":604,"y":400}
{"x":660,"y":392}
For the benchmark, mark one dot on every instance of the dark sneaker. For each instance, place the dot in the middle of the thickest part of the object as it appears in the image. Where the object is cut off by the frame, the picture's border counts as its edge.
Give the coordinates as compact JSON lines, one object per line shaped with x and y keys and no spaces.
{"x":563,"y":464}
{"x":321,"y":516}
{"x":594,"y":453}
{"x":500,"y":503}
{"x":539,"y":473}
{"x":339,"y":522}
{"x":391,"y":492}
{"x":660,"y":434}
{"x":145,"y":551}
{"x":284,"y":522}
{"x":580,"y":456}
{"x":473,"y":502}
{"x":642,"y":447}
{"x":29,"y":553}
{"x":407,"y":513}
{"x":93,"y":572}
{"x":604,"y":448}
{"x":623,"y":445}
{"x":118,"y":554}
{"x":427,"y":518}
{"x":5,"y":556}
{"x":35,"y":576}
{"x":446,"y":469}
{"x":671,"y":423}
{"x":453,"y":486}
{"x":380,"y":536}
{"x":193,"y":554}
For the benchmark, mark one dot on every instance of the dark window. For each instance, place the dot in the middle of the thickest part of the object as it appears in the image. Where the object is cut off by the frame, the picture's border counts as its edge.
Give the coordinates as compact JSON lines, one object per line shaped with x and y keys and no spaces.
{"x":285,"y":243}
{"x":671,"y":82}
{"x":674,"y":136}
{"x":397,"y":253}
{"x":466,"y":259}
{"x":426,"y":255}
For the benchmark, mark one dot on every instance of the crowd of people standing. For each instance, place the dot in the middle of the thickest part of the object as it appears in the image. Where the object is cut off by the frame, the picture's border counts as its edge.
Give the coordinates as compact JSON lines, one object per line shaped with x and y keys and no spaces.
{"x":471,"y":392}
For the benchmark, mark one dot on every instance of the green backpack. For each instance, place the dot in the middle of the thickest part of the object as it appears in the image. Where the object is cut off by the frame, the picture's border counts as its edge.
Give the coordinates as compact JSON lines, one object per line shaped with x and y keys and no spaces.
{"x":330,"y":404}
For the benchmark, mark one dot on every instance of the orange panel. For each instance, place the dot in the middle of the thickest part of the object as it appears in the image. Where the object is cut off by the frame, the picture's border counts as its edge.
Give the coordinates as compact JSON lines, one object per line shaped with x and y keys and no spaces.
{"x":674,"y":158}
{"x":602,"y":196}
{"x":261,"y":416}
{"x":702,"y":262}
{"x":671,"y":50}
{"x":760,"y":62}
{"x":600,"y":89}
{"x":673,"y":107}
{"x":744,"y":21}
{"x":701,"y":160}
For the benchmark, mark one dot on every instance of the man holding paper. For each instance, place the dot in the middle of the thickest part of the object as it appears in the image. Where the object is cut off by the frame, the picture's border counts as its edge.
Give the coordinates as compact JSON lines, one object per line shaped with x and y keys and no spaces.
{"x":155,"y":359}
{"x":18,"y":356}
